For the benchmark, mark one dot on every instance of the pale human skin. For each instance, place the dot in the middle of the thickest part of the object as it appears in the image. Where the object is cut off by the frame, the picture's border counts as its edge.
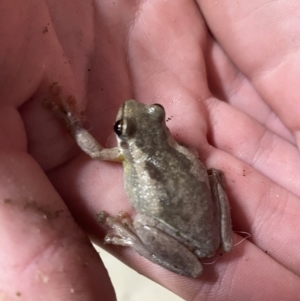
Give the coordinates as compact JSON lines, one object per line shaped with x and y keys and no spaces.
{"x":109,"y":52}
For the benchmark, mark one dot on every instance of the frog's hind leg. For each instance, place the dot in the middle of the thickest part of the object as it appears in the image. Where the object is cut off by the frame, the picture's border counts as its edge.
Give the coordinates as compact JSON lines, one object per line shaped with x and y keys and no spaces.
{"x":152,"y":244}
{"x":166,"y":250}
{"x":217,"y":184}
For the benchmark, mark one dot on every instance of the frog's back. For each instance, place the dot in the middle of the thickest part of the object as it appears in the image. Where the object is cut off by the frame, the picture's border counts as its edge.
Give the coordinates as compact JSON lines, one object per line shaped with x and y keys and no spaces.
{"x":172,"y":185}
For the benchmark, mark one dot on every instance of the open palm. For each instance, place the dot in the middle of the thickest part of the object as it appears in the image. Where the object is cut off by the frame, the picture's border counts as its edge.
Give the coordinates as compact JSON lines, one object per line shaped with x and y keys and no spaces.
{"x":226,"y":74}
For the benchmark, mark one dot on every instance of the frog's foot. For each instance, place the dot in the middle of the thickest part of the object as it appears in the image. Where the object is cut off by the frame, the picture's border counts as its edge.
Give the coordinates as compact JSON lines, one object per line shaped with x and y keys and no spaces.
{"x":65,"y":108}
{"x":151,"y":243}
{"x":121,"y":229}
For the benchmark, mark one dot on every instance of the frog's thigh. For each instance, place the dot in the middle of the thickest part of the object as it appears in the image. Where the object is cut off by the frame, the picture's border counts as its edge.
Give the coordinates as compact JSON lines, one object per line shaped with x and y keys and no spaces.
{"x":220,"y":198}
{"x":165,"y":250}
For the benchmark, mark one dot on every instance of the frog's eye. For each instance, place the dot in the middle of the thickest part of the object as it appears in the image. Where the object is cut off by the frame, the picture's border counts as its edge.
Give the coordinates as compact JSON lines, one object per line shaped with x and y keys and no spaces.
{"x":118,"y":127}
{"x":159,"y":105}
{"x":124,"y":128}
{"x":157,"y":111}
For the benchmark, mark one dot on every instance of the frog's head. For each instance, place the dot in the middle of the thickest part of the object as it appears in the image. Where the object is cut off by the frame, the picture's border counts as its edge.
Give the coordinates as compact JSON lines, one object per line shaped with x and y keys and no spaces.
{"x":140,"y":126}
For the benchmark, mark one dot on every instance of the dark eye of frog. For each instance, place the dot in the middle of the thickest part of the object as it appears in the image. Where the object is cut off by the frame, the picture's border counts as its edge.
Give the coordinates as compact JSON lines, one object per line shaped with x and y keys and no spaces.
{"x":124,"y":128}
{"x":118,"y":127}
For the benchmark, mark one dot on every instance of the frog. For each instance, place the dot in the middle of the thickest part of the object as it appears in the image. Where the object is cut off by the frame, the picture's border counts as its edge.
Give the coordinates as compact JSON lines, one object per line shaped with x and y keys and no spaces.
{"x":182,"y":209}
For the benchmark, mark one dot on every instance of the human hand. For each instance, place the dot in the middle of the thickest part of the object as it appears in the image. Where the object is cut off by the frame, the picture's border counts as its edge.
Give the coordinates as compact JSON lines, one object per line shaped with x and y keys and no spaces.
{"x":155,"y":52}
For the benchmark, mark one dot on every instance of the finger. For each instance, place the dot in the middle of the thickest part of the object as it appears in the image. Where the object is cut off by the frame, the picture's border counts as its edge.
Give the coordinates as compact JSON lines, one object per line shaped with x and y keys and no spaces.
{"x":45,"y":255}
{"x":226,"y":82}
{"x":263,"y":203}
{"x":169,"y":65}
{"x":238,"y":134}
{"x":263,"y":48}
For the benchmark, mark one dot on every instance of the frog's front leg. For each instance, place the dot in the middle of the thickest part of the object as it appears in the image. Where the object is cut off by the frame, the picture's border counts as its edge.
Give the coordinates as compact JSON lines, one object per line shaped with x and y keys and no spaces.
{"x":217,"y":184}
{"x":150,"y":242}
{"x":65,"y":108}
